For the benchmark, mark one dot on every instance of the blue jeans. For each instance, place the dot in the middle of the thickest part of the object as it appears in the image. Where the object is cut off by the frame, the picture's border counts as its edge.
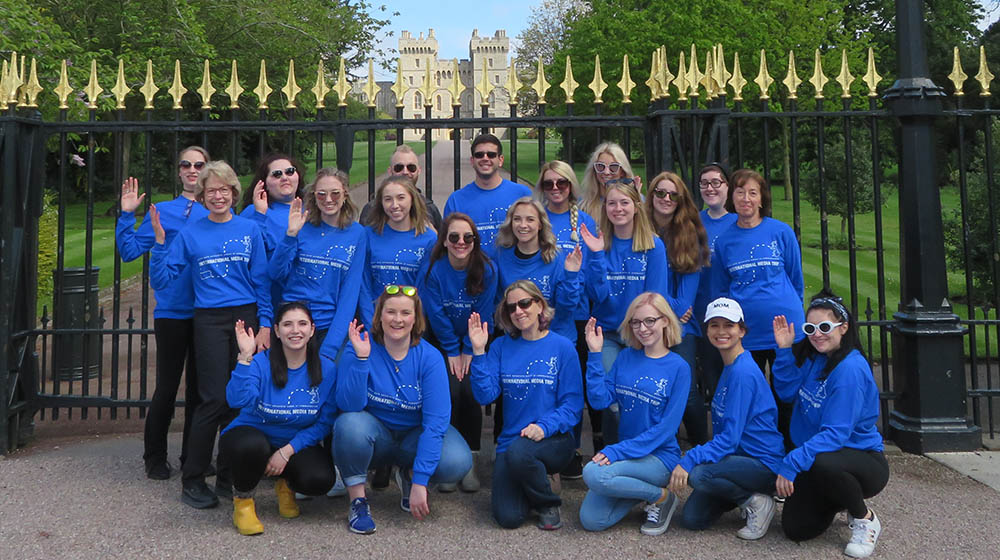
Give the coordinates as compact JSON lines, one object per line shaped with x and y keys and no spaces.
{"x":695,"y":415}
{"x":613,"y":345}
{"x":614,"y":489}
{"x":719,"y":487}
{"x":361,"y":441}
{"x":520,"y":481}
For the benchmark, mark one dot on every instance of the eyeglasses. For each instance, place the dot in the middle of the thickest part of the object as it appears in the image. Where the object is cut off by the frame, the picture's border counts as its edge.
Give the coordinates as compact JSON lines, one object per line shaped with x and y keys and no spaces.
{"x":399,"y":167}
{"x":393,"y":289}
{"x":481,"y":155}
{"x":276,"y":173}
{"x":825,"y":327}
{"x":185,"y":164}
{"x":714,"y":183}
{"x":648,"y":322}
{"x":466,"y":238}
{"x":210,"y":193}
{"x":525,"y":303}
{"x":333,"y":195}
{"x":613,"y":167}
{"x":660,"y":193}
{"x":623,"y":180}
{"x":551,"y":185}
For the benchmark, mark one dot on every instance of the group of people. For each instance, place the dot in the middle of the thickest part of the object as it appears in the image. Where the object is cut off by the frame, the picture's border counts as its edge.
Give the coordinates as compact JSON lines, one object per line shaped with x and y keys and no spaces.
{"x":332,"y":353}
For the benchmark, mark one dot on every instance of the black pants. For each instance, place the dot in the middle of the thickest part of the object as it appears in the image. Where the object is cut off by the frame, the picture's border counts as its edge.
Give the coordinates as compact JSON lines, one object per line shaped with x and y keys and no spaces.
{"x":711,"y":366}
{"x":309,"y":471}
{"x":596,"y":420}
{"x":765,"y":359}
{"x":466,"y":412}
{"x":215,"y":352}
{"x":174,"y":356}
{"x":837,"y":481}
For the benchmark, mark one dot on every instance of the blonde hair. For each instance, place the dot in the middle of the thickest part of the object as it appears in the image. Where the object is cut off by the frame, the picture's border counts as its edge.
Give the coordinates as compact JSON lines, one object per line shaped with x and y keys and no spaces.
{"x":563,"y":169}
{"x":684,"y":237}
{"x":642,"y":231}
{"x":671,"y":331}
{"x":547,"y":245}
{"x":347,"y":209}
{"x":593,"y":198}
{"x":503,"y":318}
{"x":418,"y":207}
{"x":221,"y":171}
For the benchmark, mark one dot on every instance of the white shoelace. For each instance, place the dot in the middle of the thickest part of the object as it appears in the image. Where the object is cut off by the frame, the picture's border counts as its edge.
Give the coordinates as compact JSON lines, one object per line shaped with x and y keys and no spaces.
{"x":653,"y":513}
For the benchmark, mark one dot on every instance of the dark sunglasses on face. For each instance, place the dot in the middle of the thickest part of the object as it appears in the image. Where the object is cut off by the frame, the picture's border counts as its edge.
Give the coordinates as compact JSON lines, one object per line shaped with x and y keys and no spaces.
{"x":525,"y":303}
{"x":399,"y":167}
{"x":551,"y":185}
{"x":623,"y":180}
{"x":613,"y":167}
{"x":825,"y":327}
{"x":393,"y":289}
{"x":466,"y":238}
{"x":660,"y":193}
{"x":481,"y":155}
{"x":185,"y":164}
{"x":276,"y":173}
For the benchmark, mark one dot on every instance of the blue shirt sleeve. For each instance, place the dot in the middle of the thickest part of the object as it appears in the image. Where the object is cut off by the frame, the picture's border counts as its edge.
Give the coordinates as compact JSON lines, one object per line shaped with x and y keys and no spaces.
{"x":786,"y":376}
{"x":133,"y":243}
{"x":569,"y":396}
{"x":656,"y":271}
{"x":431,"y":295}
{"x":596,"y":283}
{"x":793,"y":262}
{"x":352,"y":381}
{"x":485,"y":374}
{"x":484,"y":304}
{"x":436,"y":414}
{"x":738,"y":402}
{"x":347,"y":303}
{"x":600,"y":384}
{"x":653,"y":438}
{"x":315,"y":432}
{"x":166,"y":264}
{"x":261,"y":281}
{"x":244,"y":386}
{"x":279,"y":267}
{"x":685,"y":290}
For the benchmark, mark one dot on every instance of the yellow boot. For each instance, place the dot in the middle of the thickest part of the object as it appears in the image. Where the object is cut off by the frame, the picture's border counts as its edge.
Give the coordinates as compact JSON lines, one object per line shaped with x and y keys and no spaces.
{"x":245,"y":517}
{"x":287,"y":507}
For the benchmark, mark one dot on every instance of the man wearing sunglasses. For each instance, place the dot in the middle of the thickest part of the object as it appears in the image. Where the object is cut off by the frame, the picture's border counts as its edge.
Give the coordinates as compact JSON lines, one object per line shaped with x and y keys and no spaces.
{"x":404,"y":161}
{"x":488,"y":197}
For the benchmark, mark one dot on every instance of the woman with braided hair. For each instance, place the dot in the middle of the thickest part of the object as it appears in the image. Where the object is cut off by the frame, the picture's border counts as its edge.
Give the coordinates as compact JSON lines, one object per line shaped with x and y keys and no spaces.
{"x":608,"y":162}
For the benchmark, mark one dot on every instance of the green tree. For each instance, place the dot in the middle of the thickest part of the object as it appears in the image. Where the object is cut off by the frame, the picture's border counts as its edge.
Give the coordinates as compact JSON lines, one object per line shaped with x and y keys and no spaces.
{"x":836,"y":175}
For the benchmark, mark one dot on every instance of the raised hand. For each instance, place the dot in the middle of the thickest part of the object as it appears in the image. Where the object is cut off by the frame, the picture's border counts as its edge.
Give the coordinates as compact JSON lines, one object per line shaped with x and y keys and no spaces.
{"x":297,"y":217}
{"x":784,"y":332}
{"x":131,"y":199}
{"x":245,"y":340}
{"x":594,"y":335}
{"x":478,"y":334}
{"x":574,"y":260}
{"x":154,"y":220}
{"x":260,"y":197}
{"x":686,"y":316}
{"x":595,"y":244}
{"x":638,"y":183}
{"x":359,"y":340}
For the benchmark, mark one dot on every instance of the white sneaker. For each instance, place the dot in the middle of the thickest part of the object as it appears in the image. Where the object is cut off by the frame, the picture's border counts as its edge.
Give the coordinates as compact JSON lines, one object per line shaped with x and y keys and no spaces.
{"x":758,"y":511}
{"x":864,"y":535}
{"x":338,"y":489}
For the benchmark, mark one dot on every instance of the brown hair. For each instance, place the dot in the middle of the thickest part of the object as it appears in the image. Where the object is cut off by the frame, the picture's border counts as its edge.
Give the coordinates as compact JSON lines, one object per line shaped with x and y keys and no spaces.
{"x":684,"y":237}
{"x":475,"y":272}
{"x":503,"y":318}
{"x":347,"y":209}
{"x":262,"y":173}
{"x":739,"y":179}
{"x":418,"y":207}
{"x":546,"y":239}
{"x":419,"y":322}
{"x":642,"y":230}
{"x":671,"y":331}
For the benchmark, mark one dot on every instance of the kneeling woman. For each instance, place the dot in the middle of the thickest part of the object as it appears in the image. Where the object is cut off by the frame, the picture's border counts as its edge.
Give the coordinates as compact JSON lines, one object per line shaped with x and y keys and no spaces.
{"x":650,"y":384}
{"x":287,"y":405}
{"x":837,"y":462}
{"x":738,"y":466}
{"x":393,"y":392}
{"x":538,"y":373}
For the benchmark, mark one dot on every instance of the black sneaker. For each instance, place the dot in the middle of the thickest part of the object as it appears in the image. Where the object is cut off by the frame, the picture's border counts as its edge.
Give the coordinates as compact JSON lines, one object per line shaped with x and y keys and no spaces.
{"x":548,"y":518}
{"x":224,"y":485}
{"x":380,"y":480}
{"x":159,"y":471}
{"x":574,"y":470}
{"x":198,"y":495}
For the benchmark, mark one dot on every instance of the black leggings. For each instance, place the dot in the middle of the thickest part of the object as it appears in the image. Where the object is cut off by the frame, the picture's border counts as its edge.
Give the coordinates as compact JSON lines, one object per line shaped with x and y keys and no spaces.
{"x":466,"y":412}
{"x":765,"y":359}
{"x":174,"y":356}
{"x":309,"y":471}
{"x":837,"y":481}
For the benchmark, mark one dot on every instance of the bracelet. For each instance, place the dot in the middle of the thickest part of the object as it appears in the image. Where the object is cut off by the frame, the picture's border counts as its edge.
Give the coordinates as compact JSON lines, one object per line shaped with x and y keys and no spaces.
{"x":362,"y":358}
{"x":282,"y":455}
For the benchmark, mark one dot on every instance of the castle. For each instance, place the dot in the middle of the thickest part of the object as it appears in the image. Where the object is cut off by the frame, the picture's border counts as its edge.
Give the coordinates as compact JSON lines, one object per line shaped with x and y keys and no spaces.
{"x":415,"y":53}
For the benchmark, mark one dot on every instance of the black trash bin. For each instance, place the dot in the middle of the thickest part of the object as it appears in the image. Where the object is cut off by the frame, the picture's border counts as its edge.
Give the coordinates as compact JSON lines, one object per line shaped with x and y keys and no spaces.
{"x":68,"y":313}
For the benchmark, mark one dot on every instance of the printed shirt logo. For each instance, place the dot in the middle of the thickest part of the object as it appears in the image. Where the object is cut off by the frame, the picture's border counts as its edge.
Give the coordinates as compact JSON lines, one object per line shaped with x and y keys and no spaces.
{"x":300,"y":402}
{"x":745,"y":271}
{"x":235,"y":254}
{"x":403,"y":266}
{"x":812,"y":395}
{"x":406,"y":397}
{"x":315,"y":267}
{"x":538,"y":373}
{"x":633,"y":269}
{"x":644,"y":390}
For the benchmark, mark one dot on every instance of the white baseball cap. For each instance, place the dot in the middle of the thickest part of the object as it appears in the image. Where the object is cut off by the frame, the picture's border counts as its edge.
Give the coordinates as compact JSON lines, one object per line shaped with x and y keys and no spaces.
{"x":726,"y":308}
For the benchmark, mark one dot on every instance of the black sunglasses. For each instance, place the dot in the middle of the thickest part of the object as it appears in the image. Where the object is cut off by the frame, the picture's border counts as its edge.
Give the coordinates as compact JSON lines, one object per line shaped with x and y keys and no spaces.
{"x":660,"y":193}
{"x":399,"y":167}
{"x":481,"y":155}
{"x":466,"y":238}
{"x":276,"y":173}
{"x":522,"y":303}
{"x":551,"y":185}
{"x":185,"y":164}
{"x":623,"y":180}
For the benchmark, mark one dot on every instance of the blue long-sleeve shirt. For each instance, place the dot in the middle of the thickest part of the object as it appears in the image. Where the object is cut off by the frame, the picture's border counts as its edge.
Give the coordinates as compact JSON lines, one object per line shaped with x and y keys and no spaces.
{"x":448,"y":305}
{"x":562,"y":229}
{"x":296,"y":414}
{"x":393,"y":257}
{"x":540,"y":382}
{"x":176,"y":300}
{"x":839,"y":411}
{"x":708,"y":291}
{"x":615,"y":277}
{"x":560,"y":287}
{"x":683,"y":288}
{"x":404,"y":394}
{"x":273,"y":226}
{"x":744,"y":419}
{"x":228,"y":265}
{"x":323,"y":265}
{"x":761,"y":267}
{"x":651,"y":394}
{"x":487,"y":208}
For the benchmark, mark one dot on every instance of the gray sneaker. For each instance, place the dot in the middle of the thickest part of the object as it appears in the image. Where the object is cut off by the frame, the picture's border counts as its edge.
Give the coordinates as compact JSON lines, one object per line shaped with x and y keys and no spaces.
{"x":758,"y":511}
{"x":658,"y":516}
{"x":405,"y":484}
{"x":548,"y":518}
{"x":470,"y":482}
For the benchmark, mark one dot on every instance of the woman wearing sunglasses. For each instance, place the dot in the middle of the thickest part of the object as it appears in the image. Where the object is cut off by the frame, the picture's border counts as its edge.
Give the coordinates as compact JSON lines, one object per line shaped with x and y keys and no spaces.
{"x":278,"y":180}
{"x":393,"y":390}
{"x":608,"y":161}
{"x":536,"y":372}
{"x":650,"y":384}
{"x":837,"y":461}
{"x":172,"y":324}
{"x":460,"y":280}
{"x":675,"y":217}
{"x":286,"y":402}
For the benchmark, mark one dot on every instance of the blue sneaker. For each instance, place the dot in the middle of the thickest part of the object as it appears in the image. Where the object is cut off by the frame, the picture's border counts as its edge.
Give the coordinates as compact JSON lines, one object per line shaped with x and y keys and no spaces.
{"x":404,"y":483}
{"x":360,"y":520}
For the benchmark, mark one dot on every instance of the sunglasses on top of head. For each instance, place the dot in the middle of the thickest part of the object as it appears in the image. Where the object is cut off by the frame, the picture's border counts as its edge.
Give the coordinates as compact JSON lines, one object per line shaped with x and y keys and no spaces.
{"x":185,"y":164}
{"x":276,"y":173}
{"x":481,"y":155}
{"x":551,"y":185}
{"x":466,"y":238}
{"x":824,"y":327}
{"x":624,"y":180}
{"x":393,"y":289}
{"x":399,"y":167}
{"x":524,"y":303}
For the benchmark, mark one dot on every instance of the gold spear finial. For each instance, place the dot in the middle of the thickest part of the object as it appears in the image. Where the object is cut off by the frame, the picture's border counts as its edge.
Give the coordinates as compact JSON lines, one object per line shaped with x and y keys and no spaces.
{"x":871,"y":76}
{"x":737,"y":82}
{"x":3,"y":82}
{"x":13,"y":79}
{"x":206,"y":89}
{"x":694,"y":74}
{"x":22,"y":99}
{"x":665,"y":76}
{"x":455,"y":89}
{"x":427,"y":89}
{"x":291,"y":89}
{"x":121,"y":89}
{"x":93,"y":89}
{"x":177,"y":89}
{"x":149,"y":88}
{"x":652,"y":81}
{"x":569,"y":84}
{"x":984,"y":77}
{"x":343,"y":87}
{"x":399,"y":88}
{"x":63,"y":90}
{"x":235,"y":90}
{"x":263,"y":90}
{"x":540,"y":86}
{"x":32,"y":88}
{"x":320,"y":89}
{"x":845,"y":79}
{"x":370,"y":89}
{"x":763,"y":79}
{"x":818,"y":79}
{"x":513,"y":84}
{"x":722,"y":74}
{"x":681,"y":82}
{"x":598,"y":85}
{"x":483,"y":87}
{"x":708,"y":78}
{"x":792,"y":80}
{"x":957,"y":76}
{"x":626,"y":84}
